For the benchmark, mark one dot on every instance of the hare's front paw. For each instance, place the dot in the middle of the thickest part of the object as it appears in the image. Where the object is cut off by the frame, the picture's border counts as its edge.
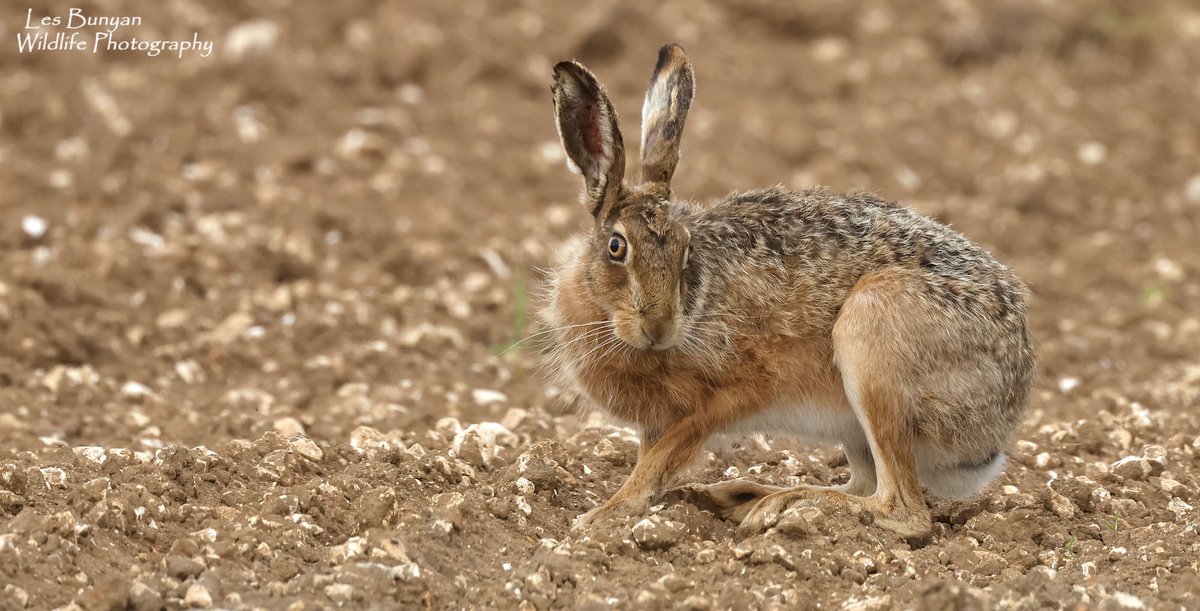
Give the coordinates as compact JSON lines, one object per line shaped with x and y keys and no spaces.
{"x":606,"y":511}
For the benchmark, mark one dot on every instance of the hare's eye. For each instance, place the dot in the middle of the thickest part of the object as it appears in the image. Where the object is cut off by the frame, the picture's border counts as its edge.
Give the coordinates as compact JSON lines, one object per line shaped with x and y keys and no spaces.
{"x":617,"y":247}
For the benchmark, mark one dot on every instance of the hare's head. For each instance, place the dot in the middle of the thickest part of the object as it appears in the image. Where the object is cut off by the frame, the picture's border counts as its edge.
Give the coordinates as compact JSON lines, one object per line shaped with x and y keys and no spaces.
{"x":636,"y":256}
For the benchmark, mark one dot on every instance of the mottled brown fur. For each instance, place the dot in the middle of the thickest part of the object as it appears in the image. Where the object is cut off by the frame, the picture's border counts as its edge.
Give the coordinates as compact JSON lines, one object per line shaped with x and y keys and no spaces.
{"x":843,"y":307}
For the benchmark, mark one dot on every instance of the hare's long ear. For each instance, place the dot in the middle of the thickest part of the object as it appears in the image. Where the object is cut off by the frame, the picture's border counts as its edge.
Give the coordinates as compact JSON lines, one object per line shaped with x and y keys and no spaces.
{"x":590,"y":135}
{"x":663,"y":113}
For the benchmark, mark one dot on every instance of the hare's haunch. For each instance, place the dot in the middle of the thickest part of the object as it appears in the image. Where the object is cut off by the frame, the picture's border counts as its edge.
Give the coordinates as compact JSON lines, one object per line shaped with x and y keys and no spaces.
{"x":833,"y":318}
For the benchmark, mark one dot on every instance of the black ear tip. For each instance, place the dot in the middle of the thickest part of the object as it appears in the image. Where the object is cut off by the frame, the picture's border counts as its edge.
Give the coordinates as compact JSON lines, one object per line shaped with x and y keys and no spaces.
{"x":670,"y":53}
{"x":664,"y":54}
{"x":560,"y":69}
{"x":570,"y":68}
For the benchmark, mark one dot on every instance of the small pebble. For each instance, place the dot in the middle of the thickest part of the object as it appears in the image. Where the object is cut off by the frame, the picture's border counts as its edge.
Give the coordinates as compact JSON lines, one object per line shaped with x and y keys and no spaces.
{"x":1067,"y":384}
{"x":1191,"y":189}
{"x":1092,"y":153}
{"x":1132,"y":467}
{"x":92,"y":453}
{"x":34,"y":226}
{"x":306,"y":447}
{"x":1121,"y":600}
{"x":802,"y":522}
{"x":657,"y":532}
{"x":1062,"y":506}
{"x":340,"y":592}
{"x":1175,"y":488}
{"x":524,"y":486}
{"x":16,"y":595}
{"x":197,"y":596}
{"x":144,"y":598}
{"x":485,"y":396}
{"x":288,"y":426}
{"x":523,"y":505}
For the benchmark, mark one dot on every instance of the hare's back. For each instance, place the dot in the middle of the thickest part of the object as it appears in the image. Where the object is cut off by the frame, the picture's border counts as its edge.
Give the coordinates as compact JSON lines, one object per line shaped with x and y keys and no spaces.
{"x":838,"y":238}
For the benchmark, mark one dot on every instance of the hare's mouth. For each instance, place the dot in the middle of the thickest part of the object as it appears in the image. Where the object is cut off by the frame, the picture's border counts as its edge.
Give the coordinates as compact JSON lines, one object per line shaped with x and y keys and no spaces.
{"x":656,"y":343}
{"x":648,"y":335}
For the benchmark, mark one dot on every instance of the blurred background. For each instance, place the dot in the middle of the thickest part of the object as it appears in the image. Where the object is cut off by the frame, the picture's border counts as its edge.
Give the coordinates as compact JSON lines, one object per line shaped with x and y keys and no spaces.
{"x":336,"y":219}
{"x":354,"y":192}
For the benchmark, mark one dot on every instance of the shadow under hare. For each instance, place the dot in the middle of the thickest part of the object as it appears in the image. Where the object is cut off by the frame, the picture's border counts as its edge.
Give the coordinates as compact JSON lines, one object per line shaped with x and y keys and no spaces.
{"x":831,"y":318}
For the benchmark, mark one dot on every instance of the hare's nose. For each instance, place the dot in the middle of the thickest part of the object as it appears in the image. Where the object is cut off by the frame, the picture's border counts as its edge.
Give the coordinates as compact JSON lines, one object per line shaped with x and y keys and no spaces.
{"x":657,"y":332}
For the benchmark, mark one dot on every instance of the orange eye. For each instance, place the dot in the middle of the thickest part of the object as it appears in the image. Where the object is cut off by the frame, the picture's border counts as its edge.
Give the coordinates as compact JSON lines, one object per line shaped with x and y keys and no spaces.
{"x":617,"y":247}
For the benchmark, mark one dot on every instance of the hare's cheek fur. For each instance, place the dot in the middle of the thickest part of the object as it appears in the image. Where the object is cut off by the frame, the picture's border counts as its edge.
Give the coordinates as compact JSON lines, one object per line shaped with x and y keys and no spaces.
{"x":609,"y":290}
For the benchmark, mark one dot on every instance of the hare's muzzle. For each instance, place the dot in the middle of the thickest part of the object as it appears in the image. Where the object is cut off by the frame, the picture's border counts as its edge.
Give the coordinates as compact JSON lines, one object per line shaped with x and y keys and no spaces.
{"x":660,"y":333}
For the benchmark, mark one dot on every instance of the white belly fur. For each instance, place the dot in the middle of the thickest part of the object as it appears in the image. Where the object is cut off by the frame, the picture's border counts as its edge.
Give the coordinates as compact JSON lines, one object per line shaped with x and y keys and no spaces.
{"x":936,"y":468}
{"x":806,"y":424}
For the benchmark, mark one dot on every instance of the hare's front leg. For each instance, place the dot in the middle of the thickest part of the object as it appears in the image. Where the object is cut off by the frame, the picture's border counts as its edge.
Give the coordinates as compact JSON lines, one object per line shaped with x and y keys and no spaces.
{"x":662,"y":457}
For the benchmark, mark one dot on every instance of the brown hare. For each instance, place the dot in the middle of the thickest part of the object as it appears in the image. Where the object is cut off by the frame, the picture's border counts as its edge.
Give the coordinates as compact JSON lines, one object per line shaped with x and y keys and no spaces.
{"x":832,"y":318}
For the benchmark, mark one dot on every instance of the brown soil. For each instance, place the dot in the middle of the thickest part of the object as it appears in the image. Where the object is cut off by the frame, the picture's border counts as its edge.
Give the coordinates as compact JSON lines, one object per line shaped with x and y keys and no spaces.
{"x":250,"y":361}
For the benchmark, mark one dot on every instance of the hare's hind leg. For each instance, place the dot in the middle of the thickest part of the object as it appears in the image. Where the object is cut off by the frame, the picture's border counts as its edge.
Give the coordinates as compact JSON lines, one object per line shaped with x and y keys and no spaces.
{"x":862,"y":471}
{"x":869,"y":343}
{"x":895,"y":496}
{"x":868,"y":350}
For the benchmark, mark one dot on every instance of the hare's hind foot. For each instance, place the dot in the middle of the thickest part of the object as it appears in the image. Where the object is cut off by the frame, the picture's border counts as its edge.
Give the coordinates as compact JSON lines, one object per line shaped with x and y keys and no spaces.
{"x":899,"y":518}
{"x":734,"y":499}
